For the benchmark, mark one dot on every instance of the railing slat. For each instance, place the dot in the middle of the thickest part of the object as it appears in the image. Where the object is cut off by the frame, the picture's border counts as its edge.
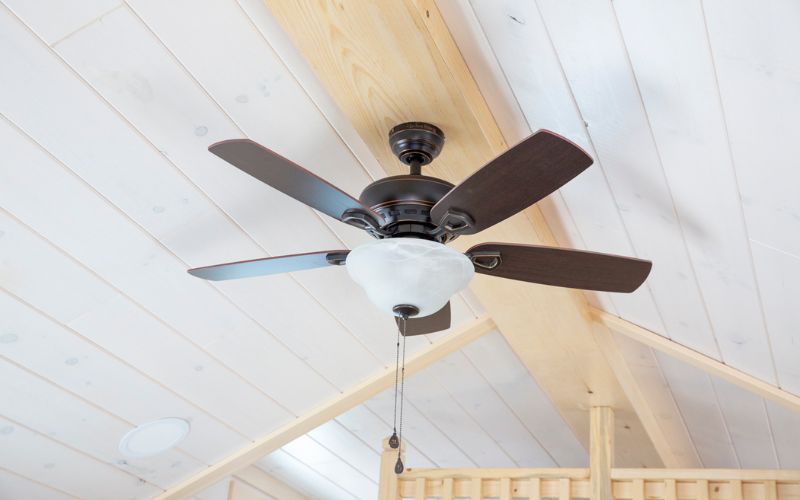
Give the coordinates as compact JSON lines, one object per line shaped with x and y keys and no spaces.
{"x":447,"y":489}
{"x":419,"y":489}
{"x":535,"y":489}
{"x":638,"y":489}
{"x":476,"y":489}
{"x":702,"y":489}
{"x":505,"y":488}
{"x":564,"y":492}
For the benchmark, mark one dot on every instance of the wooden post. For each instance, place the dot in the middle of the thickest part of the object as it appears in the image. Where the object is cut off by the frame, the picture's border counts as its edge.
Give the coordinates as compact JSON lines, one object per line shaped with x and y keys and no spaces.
{"x":387,"y":488}
{"x":601,"y":452}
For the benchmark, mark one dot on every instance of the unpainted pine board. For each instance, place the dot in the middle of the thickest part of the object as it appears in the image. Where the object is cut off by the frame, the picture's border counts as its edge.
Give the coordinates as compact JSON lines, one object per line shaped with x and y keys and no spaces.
{"x":301,"y":477}
{"x":60,"y":19}
{"x":372,"y":429}
{"x":495,"y":360}
{"x":15,"y":486}
{"x":58,"y":466}
{"x":757,"y":67}
{"x":478,"y":399}
{"x":243,"y":491}
{"x":784,"y":424}
{"x":694,"y":393}
{"x":335,"y":468}
{"x":595,"y":62}
{"x":668,"y":49}
{"x":349,"y":447}
{"x":169,"y":114}
{"x":71,"y":421}
{"x":51,"y":351}
{"x":643,"y":366}
{"x":421,"y":432}
{"x":122,"y":328}
{"x":97,"y":235}
{"x":426,"y":392}
{"x":746,"y":417}
{"x":160,"y":199}
{"x":539,"y":86}
{"x":779,"y":282}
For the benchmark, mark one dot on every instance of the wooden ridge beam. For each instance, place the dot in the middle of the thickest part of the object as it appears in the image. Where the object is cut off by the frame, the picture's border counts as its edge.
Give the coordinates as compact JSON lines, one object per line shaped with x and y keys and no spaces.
{"x":385,"y":63}
{"x":699,"y":360}
{"x":345,"y":401}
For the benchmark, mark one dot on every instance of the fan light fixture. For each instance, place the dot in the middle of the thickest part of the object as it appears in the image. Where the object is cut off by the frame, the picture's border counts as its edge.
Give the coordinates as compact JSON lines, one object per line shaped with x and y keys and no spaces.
{"x":152,"y":438}
{"x":409,"y":272}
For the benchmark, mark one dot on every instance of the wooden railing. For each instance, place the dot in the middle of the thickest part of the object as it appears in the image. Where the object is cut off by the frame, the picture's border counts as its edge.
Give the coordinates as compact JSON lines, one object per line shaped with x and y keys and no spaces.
{"x":567,"y":484}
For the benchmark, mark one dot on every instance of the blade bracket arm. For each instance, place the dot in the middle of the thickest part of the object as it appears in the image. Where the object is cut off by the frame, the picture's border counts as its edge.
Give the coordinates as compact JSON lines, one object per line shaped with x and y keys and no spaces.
{"x":485,"y":259}
{"x":336,"y":258}
{"x":368,"y":221}
{"x":452,"y":224}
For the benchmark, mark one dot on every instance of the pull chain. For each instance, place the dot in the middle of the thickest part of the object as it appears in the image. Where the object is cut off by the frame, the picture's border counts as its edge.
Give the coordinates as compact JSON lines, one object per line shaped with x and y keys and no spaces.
{"x":398,"y":466}
{"x":394,"y":441}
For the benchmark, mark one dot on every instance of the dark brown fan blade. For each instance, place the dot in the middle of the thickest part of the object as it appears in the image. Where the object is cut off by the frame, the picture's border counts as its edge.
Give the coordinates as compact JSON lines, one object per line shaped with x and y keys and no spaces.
{"x":436,"y":322}
{"x":270,"y":265}
{"x":560,"y":266}
{"x":513,"y":181}
{"x":289,"y":178}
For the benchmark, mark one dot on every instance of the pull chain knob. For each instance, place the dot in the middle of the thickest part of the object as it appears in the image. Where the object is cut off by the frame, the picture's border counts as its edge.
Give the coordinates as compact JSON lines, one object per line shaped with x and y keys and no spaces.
{"x":394,"y":442}
{"x":398,"y":466}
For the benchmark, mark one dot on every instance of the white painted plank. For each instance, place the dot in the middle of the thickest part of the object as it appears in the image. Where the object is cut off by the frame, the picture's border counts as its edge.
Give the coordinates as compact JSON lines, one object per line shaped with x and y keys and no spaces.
{"x":539,"y":85}
{"x":15,"y":486}
{"x":161,"y":200}
{"x":493,"y":358}
{"x":373,"y":429}
{"x":122,"y":328}
{"x":746,"y":419}
{"x":753,"y":45}
{"x":456,"y":421}
{"x":645,"y":369}
{"x":779,"y":281}
{"x":331,"y":466}
{"x":697,"y":401}
{"x":349,"y":447}
{"x":668,"y":49}
{"x":129,"y":258}
{"x":785,"y":423}
{"x":476,"y":399}
{"x":51,"y":463}
{"x":51,"y":351}
{"x":67,"y":419}
{"x":596,"y":65}
{"x":58,"y":18}
{"x":218,"y":491}
{"x":301,"y":477}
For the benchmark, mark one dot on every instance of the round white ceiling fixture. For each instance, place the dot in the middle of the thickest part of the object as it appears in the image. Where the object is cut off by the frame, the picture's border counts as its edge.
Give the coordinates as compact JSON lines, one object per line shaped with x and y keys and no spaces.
{"x":154,"y":437}
{"x":409,"y":271}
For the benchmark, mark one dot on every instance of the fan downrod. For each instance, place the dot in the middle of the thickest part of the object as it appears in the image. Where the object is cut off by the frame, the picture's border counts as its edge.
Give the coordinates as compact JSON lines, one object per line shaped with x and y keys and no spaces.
{"x":416,"y":144}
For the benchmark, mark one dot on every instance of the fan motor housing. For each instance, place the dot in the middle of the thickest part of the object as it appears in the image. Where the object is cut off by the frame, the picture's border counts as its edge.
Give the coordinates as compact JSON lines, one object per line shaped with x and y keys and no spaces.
{"x":405,"y":201}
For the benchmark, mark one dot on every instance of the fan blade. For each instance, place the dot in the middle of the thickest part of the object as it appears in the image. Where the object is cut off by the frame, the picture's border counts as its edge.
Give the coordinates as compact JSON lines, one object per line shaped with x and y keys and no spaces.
{"x":560,"y":266}
{"x":270,"y":265}
{"x":290,"y":178}
{"x":436,"y":322}
{"x":512,"y":182}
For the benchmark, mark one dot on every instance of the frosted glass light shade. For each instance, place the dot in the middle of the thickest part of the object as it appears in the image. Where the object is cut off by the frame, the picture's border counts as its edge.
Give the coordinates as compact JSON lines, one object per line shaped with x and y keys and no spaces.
{"x":409,"y":271}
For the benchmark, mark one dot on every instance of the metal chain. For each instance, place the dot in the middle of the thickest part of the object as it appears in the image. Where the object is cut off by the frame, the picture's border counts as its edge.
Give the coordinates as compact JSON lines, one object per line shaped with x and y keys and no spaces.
{"x":402,"y":385}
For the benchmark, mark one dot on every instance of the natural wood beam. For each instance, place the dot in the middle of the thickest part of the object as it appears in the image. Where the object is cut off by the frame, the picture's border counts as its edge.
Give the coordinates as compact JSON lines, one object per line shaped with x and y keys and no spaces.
{"x":349,"y":399}
{"x":390,"y":62}
{"x":705,"y":363}
{"x":262,"y":481}
{"x":647,"y":416}
{"x":387,"y":481}
{"x":601,"y":453}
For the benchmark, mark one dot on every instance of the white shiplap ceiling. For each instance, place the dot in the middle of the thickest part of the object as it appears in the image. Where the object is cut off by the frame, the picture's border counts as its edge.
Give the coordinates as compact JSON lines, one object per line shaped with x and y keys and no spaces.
{"x":108,"y":194}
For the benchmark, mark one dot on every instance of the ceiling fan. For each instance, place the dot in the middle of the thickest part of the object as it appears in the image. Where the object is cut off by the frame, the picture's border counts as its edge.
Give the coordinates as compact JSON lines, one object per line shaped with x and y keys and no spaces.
{"x":409,"y":271}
